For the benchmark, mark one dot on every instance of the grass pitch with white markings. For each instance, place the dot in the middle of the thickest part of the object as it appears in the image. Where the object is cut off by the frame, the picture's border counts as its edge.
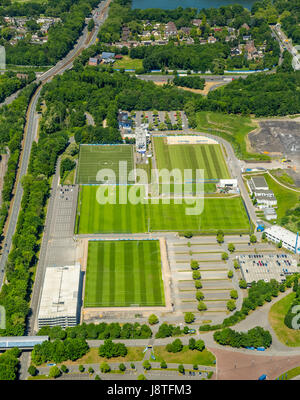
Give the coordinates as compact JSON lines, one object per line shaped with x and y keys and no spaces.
{"x":124,"y":273}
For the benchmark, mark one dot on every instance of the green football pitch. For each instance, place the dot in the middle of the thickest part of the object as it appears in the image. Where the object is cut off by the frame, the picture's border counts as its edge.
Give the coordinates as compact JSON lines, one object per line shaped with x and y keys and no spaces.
{"x":228,"y":214}
{"x":208,"y":157}
{"x":123,"y":274}
{"x":93,"y":158}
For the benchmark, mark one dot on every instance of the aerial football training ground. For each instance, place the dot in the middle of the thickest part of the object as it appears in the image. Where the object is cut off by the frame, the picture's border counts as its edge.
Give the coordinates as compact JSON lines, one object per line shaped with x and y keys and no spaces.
{"x":124,"y":273}
{"x":93,"y":158}
{"x":208,"y":157}
{"x":224,"y":213}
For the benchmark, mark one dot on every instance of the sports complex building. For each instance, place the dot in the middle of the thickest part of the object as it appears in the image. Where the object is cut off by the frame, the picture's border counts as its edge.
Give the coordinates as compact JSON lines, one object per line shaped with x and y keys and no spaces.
{"x":289,"y":240}
{"x":60,"y":300}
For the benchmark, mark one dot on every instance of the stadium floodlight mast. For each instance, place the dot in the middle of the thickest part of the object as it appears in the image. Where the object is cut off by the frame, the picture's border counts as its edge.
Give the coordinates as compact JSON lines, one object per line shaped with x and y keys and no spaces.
{"x":137,"y":193}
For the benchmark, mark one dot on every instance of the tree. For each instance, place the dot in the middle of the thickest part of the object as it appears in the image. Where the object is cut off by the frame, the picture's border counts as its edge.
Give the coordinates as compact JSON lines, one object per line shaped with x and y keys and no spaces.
{"x":104,"y":367}
{"x":81,"y":368}
{"x":253,"y":239}
{"x":196,"y":275}
{"x":64,"y":369}
{"x":32,"y":370}
{"x":188,"y":235}
{"x":195,"y":366}
{"x":231,"y":247}
{"x":198,"y":285}
{"x":194,"y":264}
{"x":132,"y":366}
{"x":153,"y":319}
{"x":189,"y":317}
{"x":146,"y":365}
{"x":175,"y":347}
{"x":90,"y":370}
{"x":91,"y":25}
{"x":97,"y":378}
{"x":242,"y":284}
{"x":234,"y":294}
{"x":186,"y":330}
{"x":201,"y":306}
{"x":122,"y":367}
{"x":264,"y":236}
{"x":142,"y":377}
{"x":54,"y":372}
{"x":231,"y":305}
{"x":279,"y":244}
{"x":236,"y":264}
{"x":200,"y":345}
{"x":192,"y":344}
{"x":220,"y":236}
{"x":199,"y":295}
{"x":224,"y":256}
{"x":163,"y":365}
{"x":110,"y":349}
{"x":296,"y":285}
{"x":181,"y":368}
{"x":230,"y":274}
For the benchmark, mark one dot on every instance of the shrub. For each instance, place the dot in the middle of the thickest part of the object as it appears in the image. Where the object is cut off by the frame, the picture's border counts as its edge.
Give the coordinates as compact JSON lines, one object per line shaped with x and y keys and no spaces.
{"x":196,"y":275}
{"x":104,"y":367}
{"x":163,"y":364}
{"x":198,"y":285}
{"x":231,"y":305}
{"x":201,"y":306}
{"x":146,"y":365}
{"x":194,"y":265}
{"x":234,"y":294}
{"x":122,"y":367}
{"x":153,"y":319}
{"x":54,"y":372}
{"x":189,"y":317}
{"x":175,"y":347}
{"x":199,"y":295}
{"x":32,"y":370}
{"x":230,"y":274}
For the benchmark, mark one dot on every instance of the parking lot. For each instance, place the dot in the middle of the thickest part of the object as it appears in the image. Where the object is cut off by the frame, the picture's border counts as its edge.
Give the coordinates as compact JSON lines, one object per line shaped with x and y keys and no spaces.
{"x":61,"y":249}
{"x":216,"y":285}
{"x":150,"y":118}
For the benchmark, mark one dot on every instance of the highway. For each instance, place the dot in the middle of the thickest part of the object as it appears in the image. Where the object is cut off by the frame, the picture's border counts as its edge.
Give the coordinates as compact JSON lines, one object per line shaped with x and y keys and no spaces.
{"x":85,"y":40}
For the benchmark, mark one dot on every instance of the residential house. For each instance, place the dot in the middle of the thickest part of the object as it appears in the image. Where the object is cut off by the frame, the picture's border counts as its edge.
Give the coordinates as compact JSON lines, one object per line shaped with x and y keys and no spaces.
{"x":197,"y":22}
{"x":170,"y":29}
{"x":211,"y":39}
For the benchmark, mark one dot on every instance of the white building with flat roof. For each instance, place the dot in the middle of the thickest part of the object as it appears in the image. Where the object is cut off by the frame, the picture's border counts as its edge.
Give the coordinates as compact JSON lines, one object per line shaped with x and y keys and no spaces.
{"x":290,"y":240}
{"x":59,"y":304}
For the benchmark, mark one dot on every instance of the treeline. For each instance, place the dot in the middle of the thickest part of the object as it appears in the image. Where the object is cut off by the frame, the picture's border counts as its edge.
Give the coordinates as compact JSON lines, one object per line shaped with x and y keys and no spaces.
{"x":256,"y":337}
{"x":258,"y":294}
{"x":9,"y":364}
{"x":195,"y":57}
{"x":104,"y":92}
{"x":260,"y":94}
{"x":15,"y":293}
{"x":10,"y":83}
{"x":194,"y":82}
{"x":59,"y":350}
{"x":61,"y":37}
{"x":13,"y":119}
{"x":99,"y":331}
{"x":290,"y":18}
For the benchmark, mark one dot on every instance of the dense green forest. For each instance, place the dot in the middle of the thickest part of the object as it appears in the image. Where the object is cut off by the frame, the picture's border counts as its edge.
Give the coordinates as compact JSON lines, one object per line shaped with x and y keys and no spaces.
{"x":194,"y":82}
{"x":61,"y":37}
{"x":10,"y":83}
{"x":260,"y":94}
{"x":9,"y":364}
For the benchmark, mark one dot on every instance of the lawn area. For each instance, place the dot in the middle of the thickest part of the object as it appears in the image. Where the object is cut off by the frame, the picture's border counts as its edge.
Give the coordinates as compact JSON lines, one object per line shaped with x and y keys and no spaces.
{"x":290,"y":374}
{"x":186,"y":356}
{"x":233,"y":128}
{"x":129,"y":63}
{"x":124,"y":273}
{"x":227,"y":214}
{"x":92,"y":357}
{"x":289,"y":337}
{"x":93,"y":158}
{"x":208,"y":157}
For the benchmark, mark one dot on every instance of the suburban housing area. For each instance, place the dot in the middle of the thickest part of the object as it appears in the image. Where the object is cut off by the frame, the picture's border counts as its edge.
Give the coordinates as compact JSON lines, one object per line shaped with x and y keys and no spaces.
{"x":150,"y":192}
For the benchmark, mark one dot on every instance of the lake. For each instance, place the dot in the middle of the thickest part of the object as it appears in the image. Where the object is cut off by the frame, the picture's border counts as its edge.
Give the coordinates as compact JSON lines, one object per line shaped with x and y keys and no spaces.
{"x":170,"y":4}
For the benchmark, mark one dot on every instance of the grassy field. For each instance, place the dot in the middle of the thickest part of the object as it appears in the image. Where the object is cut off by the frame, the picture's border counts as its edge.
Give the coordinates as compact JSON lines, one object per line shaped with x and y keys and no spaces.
{"x":233,"y":128}
{"x":186,"y":356}
{"x":124,"y":273}
{"x":290,"y":337}
{"x":208,"y":157}
{"x":129,"y":63}
{"x":92,"y":357}
{"x":93,"y":158}
{"x":289,"y":374}
{"x":219,"y":213}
